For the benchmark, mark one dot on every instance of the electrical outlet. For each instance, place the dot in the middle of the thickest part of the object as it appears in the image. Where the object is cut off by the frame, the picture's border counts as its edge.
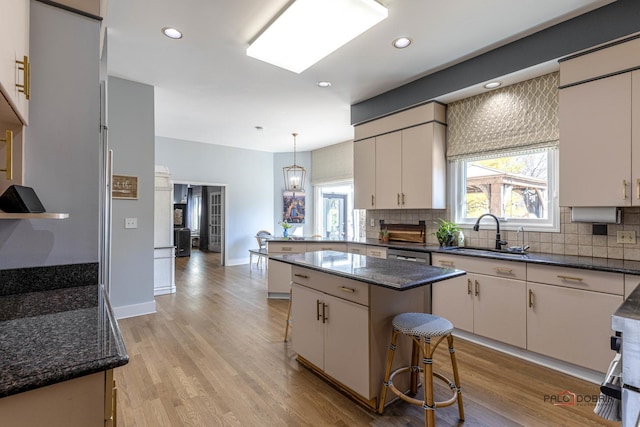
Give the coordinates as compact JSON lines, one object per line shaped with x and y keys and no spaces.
{"x":131,"y":223}
{"x":373,"y":222}
{"x":627,"y":237}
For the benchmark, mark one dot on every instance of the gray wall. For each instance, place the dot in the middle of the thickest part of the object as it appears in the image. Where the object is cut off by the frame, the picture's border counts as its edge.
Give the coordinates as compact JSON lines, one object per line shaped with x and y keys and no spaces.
{"x":247,"y":175}
{"x":131,"y":137}
{"x":280,"y":160}
{"x":62,"y":143}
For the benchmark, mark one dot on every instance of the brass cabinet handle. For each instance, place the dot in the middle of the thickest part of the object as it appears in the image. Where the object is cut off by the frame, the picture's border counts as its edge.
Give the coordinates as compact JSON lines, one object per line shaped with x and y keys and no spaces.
{"x":25,"y":67}
{"x":327,"y":249}
{"x":287,"y":249}
{"x":468,"y":286}
{"x":530,"y":298}
{"x":8,"y":170}
{"x":376,"y":253}
{"x":402,"y":199}
{"x":398,"y":194}
{"x":350,"y":290}
{"x":372,"y":200}
{"x":324,"y":316}
{"x":446,"y":262}
{"x":624,"y":189}
{"x":503,"y":270}
{"x":304,"y":276}
{"x":638,"y":188}
{"x":575,"y":279}
{"x":318,"y":310}
{"x":477,"y":288}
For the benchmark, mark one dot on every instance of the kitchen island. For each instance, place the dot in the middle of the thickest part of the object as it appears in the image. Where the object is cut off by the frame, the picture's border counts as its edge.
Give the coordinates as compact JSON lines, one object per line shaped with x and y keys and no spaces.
{"x":342,"y":305}
{"x":59,"y":344}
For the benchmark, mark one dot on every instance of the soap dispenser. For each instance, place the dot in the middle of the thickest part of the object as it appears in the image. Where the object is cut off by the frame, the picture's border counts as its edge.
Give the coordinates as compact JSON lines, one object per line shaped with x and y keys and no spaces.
{"x":461,"y":239}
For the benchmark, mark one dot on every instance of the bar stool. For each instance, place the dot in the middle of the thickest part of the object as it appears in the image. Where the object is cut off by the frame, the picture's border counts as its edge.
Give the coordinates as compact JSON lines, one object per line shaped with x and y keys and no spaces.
{"x":422,"y":328}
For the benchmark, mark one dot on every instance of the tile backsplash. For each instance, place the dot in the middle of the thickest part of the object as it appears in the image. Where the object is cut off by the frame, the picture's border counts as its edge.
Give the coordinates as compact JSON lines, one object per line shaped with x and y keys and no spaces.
{"x":573,"y":238}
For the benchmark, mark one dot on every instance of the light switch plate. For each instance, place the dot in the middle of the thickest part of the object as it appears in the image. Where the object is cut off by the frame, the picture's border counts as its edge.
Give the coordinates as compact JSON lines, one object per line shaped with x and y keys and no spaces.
{"x":626,"y":237}
{"x":131,"y":223}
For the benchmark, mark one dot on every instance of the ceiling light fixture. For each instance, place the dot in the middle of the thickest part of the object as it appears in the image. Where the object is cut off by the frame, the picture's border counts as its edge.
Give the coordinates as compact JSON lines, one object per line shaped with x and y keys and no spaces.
{"x":294,"y":175}
{"x":324,"y":84}
{"x":309,"y":30}
{"x":402,"y":42}
{"x":492,"y":85}
{"x":172,"y":33}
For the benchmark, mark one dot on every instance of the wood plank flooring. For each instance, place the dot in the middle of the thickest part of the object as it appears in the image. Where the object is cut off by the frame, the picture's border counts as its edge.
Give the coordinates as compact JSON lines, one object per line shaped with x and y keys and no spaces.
{"x":213,"y":355}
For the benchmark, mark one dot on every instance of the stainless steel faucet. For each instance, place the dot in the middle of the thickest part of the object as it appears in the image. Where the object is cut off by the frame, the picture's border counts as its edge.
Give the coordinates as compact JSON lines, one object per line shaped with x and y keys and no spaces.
{"x":499,"y":242}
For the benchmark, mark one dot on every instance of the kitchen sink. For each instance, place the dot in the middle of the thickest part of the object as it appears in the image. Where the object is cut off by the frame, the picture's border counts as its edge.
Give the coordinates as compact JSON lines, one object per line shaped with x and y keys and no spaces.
{"x":504,"y":253}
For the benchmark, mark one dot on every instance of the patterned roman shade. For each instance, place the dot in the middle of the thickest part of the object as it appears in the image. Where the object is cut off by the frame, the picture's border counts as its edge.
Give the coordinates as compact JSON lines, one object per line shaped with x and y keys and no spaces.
{"x":521,"y":116}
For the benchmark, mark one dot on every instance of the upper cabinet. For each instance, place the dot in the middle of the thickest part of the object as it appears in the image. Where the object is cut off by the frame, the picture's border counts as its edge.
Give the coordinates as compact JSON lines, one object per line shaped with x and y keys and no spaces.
{"x":399,"y":160}
{"x":600,"y":127}
{"x":14,"y":57}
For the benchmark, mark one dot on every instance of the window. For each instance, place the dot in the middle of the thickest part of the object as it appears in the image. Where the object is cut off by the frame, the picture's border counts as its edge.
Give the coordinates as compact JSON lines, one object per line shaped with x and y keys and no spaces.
{"x":520,"y":188}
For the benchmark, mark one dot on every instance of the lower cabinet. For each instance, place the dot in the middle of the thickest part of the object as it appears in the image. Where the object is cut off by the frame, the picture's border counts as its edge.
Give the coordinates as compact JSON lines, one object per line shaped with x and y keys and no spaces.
{"x":489,"y":305}
{"x":336,"y":337}
{"x":87,"y":401}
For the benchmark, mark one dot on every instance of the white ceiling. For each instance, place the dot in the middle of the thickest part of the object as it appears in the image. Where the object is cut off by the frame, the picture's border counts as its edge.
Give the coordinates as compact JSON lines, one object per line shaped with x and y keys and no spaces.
{"x":208,"y":90}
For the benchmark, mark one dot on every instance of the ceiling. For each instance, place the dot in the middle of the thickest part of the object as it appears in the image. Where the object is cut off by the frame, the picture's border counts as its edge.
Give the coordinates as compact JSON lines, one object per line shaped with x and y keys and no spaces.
{"x":207,"y":89}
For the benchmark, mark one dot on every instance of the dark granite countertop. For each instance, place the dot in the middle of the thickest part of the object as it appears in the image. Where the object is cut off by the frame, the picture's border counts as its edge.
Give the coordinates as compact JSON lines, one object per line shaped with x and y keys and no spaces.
{"x":388,"y":273}
{"x":50,"y":336}
{"x":587,"y":263}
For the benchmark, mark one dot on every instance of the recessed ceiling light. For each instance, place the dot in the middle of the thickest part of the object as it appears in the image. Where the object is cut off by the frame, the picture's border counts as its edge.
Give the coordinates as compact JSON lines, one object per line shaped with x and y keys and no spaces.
{"x":401,"y":42}
{"x":172,"y":33}
{"x":492,"y":85}
{"x":324,"y":84}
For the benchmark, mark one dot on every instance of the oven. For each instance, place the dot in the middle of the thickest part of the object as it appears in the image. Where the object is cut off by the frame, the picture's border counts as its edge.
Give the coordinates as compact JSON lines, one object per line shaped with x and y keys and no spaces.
{"x":626,"y":323}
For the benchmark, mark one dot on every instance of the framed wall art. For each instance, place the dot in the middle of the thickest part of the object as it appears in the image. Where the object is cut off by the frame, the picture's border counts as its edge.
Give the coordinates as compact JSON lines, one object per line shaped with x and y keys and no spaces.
{"x":124,"y":187}
{"x":293,"y":207}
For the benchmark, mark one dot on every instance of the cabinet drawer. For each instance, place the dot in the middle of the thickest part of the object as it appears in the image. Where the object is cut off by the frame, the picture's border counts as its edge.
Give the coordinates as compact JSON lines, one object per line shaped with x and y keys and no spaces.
{"x":350,"y":290}
{"x":589,"y":280}
{"x":326,"y":246}
{"x":357,"y":249}
{"x":490,"y":267}
{"x":377,"y":252}
{"x":286,"y":248}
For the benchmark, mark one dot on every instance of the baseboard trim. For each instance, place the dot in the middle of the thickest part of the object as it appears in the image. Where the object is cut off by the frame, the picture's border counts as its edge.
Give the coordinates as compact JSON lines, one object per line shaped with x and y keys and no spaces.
{"x":164,"y":290}
{"x":134,"y":310}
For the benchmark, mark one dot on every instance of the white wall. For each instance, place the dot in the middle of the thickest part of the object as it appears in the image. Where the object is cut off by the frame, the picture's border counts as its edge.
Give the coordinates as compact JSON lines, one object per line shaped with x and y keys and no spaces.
{"x":247,"y":175}
{"x":62,"y":143}
{"x":131,"y":136}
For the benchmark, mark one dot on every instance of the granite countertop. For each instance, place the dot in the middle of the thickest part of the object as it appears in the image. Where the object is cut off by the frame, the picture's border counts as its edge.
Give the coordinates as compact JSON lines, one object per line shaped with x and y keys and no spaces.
{"x":54,"y":335}
{"x":388,"y":273}
{"x":587,"y":263}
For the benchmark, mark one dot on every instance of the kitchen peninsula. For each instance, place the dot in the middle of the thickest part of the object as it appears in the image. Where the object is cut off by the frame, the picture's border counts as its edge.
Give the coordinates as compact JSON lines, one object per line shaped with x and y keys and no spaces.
{"x":342,"y":307}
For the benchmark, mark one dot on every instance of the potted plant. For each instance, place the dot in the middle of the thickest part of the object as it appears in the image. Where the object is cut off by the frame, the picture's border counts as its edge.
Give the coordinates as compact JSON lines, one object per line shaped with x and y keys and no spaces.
{"x":384,"y":236}
{"x":446,"y":233}
{"x":285,"y":228}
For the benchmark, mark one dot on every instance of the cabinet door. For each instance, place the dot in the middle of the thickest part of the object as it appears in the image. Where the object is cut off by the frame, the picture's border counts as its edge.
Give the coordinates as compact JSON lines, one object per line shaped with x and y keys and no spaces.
{"x":346,"y":343}
{"x":364,"y":174}
{"x":499,"y":309}
{"x":453,"y":300}
{"x":14,"y":47}
{"x":635,"y":136}
{"x":278,"y":279}
{"x":388,"y":170}
{"x":571,"y":324}
{"x":595,"y":123}
{"x":424,"y":167}
{"x":308,"y":330}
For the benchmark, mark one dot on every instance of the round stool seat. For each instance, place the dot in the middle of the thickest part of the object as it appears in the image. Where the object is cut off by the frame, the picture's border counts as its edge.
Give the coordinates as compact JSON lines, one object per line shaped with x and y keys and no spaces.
{"x":422,"y":324}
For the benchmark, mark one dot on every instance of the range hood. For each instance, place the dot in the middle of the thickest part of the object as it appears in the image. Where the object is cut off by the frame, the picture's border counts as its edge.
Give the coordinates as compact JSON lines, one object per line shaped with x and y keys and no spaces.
{"x":607,"y":215}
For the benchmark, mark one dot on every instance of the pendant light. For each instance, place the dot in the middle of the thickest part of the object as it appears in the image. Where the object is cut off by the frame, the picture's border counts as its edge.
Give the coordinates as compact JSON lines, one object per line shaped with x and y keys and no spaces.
{"x":294,"y":175}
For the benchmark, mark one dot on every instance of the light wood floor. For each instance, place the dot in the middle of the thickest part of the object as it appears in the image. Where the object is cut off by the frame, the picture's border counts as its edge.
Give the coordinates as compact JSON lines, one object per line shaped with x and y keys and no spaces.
{"x":213,"y":355}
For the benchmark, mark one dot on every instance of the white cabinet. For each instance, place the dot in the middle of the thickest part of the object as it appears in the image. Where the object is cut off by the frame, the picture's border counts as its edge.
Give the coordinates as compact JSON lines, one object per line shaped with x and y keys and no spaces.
{"x":364,"y":174}
{"x":357,"y":248}
{"x":399,"y":161}
{"x":326,"y":246}
{"x":377,"y":252}
{"x":335,"y":336}
{"x":569,"y":313}
{"x":15,"y":47}
{"x":488,"y":301}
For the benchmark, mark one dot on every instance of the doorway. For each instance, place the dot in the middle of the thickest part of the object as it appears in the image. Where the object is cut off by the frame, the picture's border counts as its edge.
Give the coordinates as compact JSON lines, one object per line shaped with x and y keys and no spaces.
{"x":334,"y":207}
{"x":205,"y":215}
